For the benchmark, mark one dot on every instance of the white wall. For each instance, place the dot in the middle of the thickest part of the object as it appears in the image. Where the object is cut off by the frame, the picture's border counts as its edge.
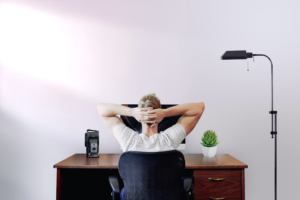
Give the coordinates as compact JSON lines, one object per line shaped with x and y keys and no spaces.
{"x":59,"y":59}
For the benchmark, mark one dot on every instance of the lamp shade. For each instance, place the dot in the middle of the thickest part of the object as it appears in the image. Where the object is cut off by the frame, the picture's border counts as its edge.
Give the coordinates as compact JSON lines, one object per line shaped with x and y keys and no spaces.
{"x":236,"y":55}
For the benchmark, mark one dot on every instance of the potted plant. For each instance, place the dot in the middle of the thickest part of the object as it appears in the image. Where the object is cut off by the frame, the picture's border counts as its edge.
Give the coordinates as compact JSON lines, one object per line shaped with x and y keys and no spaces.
{"x":209,"y":143}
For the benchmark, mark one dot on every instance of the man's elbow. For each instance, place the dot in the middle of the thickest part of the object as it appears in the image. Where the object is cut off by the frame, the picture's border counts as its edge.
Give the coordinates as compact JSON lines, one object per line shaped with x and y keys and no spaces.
{"x":201,"y":108}
{"x":100,"y":108}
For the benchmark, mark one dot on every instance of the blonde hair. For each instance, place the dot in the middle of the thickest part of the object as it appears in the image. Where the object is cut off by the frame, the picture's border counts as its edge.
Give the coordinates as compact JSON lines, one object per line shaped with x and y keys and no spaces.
{"x":149,"y":100}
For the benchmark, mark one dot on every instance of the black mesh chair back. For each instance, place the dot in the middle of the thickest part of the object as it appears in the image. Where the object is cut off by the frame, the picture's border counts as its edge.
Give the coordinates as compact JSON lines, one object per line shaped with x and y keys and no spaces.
{"x":152,"y":175}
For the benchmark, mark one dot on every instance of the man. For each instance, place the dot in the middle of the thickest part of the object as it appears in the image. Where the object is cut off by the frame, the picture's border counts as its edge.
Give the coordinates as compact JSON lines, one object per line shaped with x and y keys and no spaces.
{"x":149,"y":113}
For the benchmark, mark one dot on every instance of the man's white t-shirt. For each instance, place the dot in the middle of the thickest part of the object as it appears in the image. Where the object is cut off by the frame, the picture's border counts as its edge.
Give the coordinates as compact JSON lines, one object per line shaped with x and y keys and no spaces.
{"x":131,"y":140}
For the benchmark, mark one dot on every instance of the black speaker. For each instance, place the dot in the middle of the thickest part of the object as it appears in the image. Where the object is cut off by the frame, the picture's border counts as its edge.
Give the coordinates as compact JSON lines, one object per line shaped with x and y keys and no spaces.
{"x":92,"y":143}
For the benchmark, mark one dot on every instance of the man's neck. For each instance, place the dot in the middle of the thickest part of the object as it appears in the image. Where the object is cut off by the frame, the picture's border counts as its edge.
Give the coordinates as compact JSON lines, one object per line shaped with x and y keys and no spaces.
{"x":148,"y":131}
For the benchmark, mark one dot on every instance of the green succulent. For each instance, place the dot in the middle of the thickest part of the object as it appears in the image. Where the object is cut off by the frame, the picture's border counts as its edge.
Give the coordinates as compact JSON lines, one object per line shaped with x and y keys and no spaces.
{"x":209,"y":139}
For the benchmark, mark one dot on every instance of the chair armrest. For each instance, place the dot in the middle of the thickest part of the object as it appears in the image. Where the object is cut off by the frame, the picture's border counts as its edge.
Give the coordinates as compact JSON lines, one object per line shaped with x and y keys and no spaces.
{"x":187,"y":183}
{"x":114,"y":183}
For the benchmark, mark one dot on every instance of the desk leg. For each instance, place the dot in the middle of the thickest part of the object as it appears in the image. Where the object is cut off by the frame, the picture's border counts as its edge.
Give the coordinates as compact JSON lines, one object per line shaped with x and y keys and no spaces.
{"x":243,"y":184}
{"x":58,"y":185}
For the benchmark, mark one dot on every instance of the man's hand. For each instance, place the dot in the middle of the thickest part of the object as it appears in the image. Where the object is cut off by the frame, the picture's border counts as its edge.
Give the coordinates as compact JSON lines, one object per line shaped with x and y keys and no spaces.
{"x":142,"y":115}
{"x":157,"y":115}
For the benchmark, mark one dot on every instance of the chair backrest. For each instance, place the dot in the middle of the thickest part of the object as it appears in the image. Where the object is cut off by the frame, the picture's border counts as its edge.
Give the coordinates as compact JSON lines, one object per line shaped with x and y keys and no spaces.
{"x":152,"y":175}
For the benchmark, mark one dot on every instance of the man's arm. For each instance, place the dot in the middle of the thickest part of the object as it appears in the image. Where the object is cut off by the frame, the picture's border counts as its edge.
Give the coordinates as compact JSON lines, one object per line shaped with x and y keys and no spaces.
{"x":191,"y":114}
{"x":108,"y":114}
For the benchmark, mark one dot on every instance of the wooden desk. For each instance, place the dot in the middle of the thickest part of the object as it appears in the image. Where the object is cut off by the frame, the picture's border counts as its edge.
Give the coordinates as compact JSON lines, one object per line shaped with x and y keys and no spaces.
{"x":79,"y":177}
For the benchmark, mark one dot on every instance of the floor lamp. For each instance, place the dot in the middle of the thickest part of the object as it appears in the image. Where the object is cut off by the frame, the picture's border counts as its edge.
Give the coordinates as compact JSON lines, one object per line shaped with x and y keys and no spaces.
{"x":234,"y":55}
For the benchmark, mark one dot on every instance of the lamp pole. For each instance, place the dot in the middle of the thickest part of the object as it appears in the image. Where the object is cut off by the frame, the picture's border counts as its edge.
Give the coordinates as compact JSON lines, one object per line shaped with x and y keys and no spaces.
{"x":233,"y":55}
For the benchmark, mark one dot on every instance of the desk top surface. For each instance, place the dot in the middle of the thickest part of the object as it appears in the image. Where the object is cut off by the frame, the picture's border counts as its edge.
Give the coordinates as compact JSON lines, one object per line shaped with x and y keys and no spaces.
{"x":110,"y":161}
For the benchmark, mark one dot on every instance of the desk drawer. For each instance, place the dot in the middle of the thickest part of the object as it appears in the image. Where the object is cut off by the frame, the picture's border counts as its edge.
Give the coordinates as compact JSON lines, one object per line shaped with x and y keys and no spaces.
{"x":217,"y":188}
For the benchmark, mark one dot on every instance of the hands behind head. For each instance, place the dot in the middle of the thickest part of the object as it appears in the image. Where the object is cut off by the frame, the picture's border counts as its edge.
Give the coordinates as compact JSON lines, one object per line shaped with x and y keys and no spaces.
{"x":148,"y":115}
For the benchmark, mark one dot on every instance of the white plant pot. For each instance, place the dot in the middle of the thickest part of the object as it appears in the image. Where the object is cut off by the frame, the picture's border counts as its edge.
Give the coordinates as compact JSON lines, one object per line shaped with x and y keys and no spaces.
{"x":209,"y":151}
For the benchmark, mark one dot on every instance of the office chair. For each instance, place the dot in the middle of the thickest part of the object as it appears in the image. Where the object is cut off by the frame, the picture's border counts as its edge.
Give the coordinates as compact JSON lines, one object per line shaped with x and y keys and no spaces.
{"x":152,"y":176}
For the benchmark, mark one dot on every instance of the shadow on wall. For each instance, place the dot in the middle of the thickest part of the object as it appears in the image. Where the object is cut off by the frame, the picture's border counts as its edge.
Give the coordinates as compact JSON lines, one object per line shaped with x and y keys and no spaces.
{"x":151,"y":15}
{"x":9,"y":187}
{"x":41,"y":124}
{"x":46,"y":108}
{"x":22,"y":160}
{"x":43,"y":111}
{"x":39,"y":103}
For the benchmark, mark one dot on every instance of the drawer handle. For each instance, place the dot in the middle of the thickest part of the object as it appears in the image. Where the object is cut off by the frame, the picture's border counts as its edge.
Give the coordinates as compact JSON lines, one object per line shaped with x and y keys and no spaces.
{"x":217,"y":198}
{"x":217,"y":179}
